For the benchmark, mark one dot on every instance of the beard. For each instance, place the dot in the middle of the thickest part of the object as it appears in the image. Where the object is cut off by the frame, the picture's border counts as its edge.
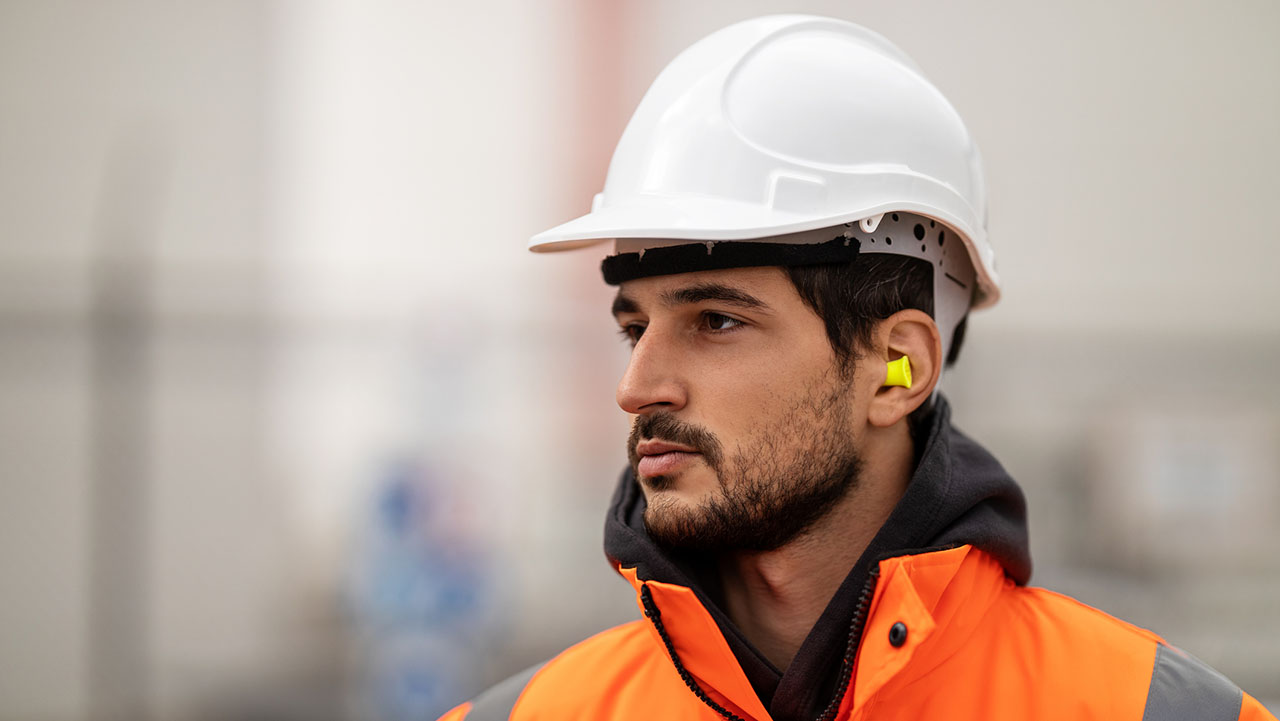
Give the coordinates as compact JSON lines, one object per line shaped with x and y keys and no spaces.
{"x":789,"y":474}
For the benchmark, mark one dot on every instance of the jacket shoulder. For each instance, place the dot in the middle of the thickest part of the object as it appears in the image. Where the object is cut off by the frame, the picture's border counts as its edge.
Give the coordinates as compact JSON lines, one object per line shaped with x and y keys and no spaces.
{"x":1171,"y":684}
{"x":573,"y":683}
{"x":1057,"y":612}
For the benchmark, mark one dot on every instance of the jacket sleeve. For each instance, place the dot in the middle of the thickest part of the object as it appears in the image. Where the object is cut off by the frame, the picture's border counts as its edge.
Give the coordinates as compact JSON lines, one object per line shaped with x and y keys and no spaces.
{"x":457,"y":713}
{"x":497,"y":703}
{"x":1184,"y":688}
{"x":1251,"y":710}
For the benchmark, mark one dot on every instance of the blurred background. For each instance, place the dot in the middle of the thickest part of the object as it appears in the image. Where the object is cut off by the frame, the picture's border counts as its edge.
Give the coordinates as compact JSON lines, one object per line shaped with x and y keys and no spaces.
{"x":291,"y":426}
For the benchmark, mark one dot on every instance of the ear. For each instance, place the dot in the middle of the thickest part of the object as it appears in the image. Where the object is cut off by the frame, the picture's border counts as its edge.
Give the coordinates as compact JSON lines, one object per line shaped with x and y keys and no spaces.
{"x":910,"y":333}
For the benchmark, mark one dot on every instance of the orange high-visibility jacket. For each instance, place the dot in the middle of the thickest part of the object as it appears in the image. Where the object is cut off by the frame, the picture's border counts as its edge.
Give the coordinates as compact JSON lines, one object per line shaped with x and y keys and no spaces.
{"x":975,"y":646}
{"x":941,"y":633}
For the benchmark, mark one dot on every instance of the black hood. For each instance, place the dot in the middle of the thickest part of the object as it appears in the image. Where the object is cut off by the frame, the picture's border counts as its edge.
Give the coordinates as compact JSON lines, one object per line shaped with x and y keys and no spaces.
{"x":959,"y":494}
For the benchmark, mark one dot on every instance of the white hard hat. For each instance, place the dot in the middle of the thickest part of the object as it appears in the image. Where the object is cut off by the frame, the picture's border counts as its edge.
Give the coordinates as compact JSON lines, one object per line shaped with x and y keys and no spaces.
{"x":784,"y":124}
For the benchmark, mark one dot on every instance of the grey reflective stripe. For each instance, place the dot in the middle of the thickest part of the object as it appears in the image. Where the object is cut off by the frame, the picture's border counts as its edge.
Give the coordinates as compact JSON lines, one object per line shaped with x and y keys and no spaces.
{"x":496,"y":703}
{"x":1184,"y":689}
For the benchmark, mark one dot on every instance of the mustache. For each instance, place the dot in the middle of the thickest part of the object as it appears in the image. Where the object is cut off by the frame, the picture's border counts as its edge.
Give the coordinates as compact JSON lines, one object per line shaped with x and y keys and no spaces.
{"x":666,"y":427}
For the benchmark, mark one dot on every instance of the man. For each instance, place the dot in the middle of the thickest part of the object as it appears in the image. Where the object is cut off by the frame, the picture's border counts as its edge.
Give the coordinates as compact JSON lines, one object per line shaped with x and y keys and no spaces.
{"x":799,"y":220}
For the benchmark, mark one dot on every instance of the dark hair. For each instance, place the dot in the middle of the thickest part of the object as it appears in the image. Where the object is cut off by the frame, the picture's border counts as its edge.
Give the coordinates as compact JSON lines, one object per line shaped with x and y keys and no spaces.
{"x":851,"y":298}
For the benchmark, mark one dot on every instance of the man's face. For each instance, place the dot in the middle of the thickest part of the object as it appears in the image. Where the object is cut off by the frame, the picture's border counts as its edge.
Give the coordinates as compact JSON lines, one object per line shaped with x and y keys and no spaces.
{"x":745,"y":429}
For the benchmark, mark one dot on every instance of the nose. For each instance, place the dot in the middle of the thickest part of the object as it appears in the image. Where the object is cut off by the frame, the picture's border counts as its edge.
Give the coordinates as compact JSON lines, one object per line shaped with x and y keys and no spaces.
{"x":652,"y":381}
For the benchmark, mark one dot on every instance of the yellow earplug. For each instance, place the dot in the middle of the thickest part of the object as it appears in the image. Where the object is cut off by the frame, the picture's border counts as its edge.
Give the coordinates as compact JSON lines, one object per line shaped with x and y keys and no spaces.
{"x":899,"y":373}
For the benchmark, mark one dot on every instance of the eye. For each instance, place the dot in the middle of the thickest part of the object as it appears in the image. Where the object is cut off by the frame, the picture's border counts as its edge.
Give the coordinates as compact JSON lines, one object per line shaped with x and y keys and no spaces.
{"x":631,"y":333}
{"x":720,"y":323}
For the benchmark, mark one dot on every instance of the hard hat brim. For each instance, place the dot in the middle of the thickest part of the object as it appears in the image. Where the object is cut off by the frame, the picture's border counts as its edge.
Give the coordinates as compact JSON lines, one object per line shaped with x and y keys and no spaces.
{"x":670,"y":217}
{"x":699,"y":219}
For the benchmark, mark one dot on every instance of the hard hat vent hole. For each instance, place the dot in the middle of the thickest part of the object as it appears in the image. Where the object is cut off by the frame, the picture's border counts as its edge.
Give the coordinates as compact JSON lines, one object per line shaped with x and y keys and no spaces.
{"x":888,"y":240}
{"x":919,"y":231}
{"x":922,"y":249}
{"x":931,"y":224}
{"x":895,"y":217}
{"x":942,"y":237}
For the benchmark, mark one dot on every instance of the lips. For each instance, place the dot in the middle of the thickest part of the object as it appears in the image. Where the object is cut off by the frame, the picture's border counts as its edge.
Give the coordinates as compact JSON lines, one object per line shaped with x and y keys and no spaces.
{"x":657,"y":448}
{"x":659,"y":458}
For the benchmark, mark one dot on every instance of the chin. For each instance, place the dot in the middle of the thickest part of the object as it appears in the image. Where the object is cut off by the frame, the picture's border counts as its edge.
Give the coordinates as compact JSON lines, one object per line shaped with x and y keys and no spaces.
{"x":676,"y":499}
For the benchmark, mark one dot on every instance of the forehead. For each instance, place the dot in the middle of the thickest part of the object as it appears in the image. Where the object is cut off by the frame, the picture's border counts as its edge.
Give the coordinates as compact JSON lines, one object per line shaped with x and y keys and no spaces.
{"x":769,"y":285}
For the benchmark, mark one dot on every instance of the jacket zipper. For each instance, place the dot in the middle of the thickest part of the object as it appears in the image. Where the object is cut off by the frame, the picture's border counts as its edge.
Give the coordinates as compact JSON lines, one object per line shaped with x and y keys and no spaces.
{"x":651,"y":610}
{"x":856,"y":626}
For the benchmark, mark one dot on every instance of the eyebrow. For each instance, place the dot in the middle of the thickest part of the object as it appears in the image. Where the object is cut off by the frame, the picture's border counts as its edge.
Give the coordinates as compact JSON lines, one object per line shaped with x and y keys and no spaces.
{"x":698,"y":293}
{"x":624,"y":304}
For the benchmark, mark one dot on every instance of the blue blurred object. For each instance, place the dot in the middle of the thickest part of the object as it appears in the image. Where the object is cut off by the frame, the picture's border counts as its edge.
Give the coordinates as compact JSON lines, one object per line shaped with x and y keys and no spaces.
{"x":418,"y":599}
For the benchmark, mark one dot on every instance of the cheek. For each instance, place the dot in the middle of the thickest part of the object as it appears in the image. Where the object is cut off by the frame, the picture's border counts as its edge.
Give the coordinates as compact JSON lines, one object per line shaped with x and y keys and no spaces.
{"x":744,"y":412}
{"x":745,"y":397}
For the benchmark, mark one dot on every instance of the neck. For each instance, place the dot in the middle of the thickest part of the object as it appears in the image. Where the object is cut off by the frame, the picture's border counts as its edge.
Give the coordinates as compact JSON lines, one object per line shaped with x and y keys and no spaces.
{"x":775,"y":597}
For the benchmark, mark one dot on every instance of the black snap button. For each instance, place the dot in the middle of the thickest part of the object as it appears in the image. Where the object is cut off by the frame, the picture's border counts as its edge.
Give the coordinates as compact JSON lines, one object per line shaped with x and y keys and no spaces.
{"x":898,"y":634}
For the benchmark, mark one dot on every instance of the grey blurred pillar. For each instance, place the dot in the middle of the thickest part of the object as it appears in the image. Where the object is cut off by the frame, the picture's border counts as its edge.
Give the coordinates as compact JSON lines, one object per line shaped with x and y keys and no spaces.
{"x":121,"y":273}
